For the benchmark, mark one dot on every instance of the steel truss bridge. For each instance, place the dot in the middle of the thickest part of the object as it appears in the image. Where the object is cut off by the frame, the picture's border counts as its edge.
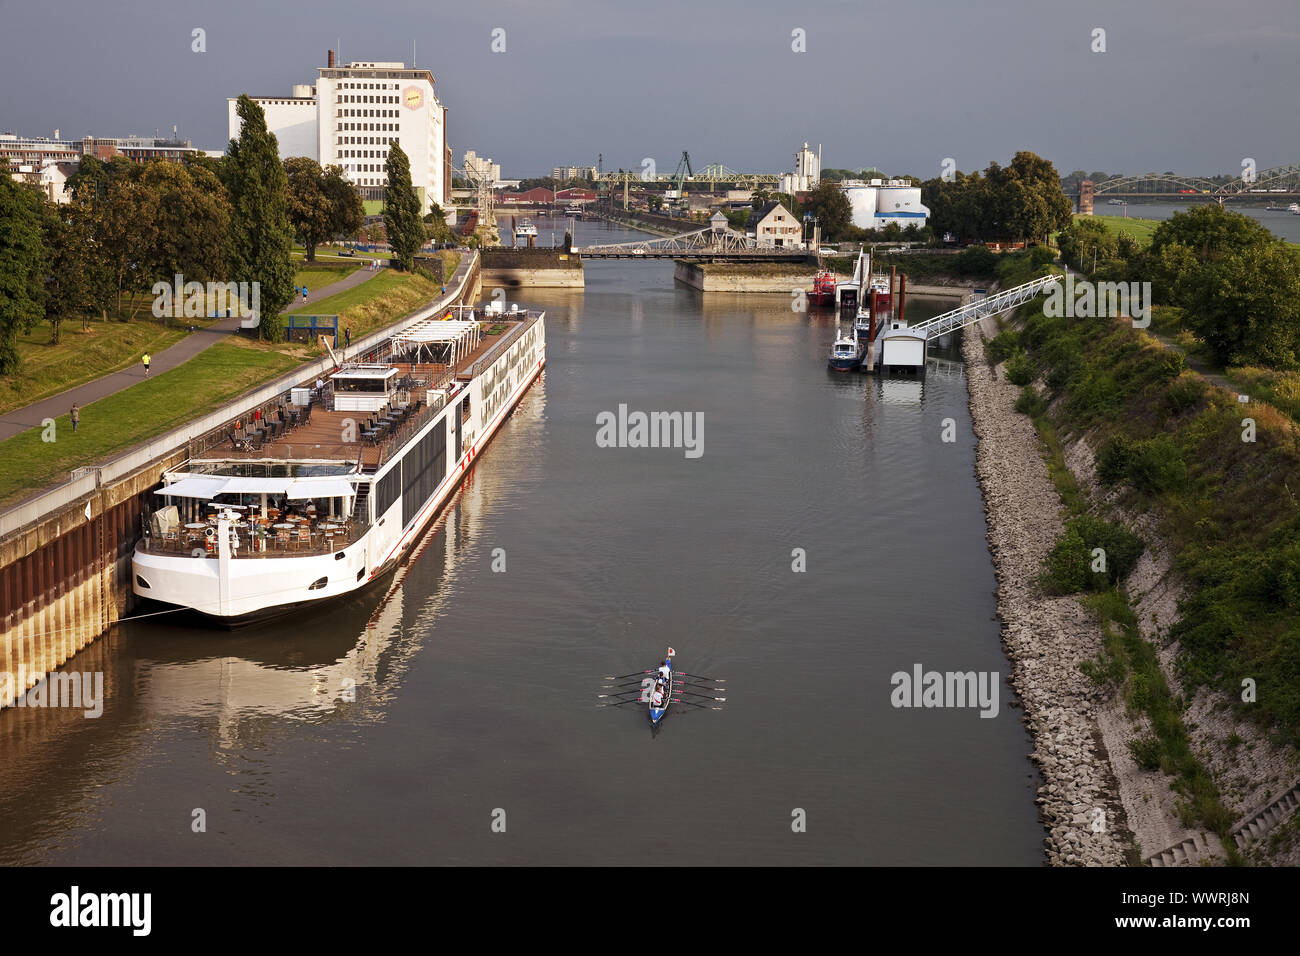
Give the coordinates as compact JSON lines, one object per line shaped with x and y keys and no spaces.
{"x":1277,"y":181}
{"x":706,"y":243}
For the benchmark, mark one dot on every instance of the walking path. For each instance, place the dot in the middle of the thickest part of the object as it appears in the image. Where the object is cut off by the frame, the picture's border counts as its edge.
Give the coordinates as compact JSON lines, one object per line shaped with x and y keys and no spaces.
{"x":31,"y":416}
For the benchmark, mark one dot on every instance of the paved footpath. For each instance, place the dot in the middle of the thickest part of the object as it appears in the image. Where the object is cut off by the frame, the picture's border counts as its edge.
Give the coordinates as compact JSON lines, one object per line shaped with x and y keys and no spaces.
{"x":19,"y":420}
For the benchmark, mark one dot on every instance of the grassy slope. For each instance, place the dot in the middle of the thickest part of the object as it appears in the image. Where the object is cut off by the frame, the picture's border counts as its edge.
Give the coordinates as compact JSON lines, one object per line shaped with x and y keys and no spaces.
{"x":80,"y":356}
{"x":372,"y":304}
{"x":143,"y":411}
{"x":217,"y":375}
{"x":1228,"y":507}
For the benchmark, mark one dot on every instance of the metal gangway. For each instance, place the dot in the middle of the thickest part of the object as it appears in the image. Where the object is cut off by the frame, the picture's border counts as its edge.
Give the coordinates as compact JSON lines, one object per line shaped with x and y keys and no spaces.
{"x":982,"y":308}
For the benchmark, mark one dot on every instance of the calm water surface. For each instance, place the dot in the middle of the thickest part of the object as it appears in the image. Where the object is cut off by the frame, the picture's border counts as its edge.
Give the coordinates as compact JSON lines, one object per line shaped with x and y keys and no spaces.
{"x":476,"y":690}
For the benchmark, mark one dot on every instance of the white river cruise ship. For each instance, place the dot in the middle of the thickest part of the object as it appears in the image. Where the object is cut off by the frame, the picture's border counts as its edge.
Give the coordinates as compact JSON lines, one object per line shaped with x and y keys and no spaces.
{"x":327,"y":488}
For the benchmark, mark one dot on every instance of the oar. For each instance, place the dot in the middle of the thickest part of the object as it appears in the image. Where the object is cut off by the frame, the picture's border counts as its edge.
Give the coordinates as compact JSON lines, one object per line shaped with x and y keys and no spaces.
{"x":690,"y":683}
{"x":625,"y":676}
{"x":619,"y":703}
{"x":622,"y":694}
{"x":689,"y":703}
{"x":703,"y":696}
{"x":720,"y":680}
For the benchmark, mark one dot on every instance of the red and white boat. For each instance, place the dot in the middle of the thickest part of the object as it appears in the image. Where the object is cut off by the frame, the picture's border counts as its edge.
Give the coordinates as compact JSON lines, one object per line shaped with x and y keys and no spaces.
{"x":823,"y":290}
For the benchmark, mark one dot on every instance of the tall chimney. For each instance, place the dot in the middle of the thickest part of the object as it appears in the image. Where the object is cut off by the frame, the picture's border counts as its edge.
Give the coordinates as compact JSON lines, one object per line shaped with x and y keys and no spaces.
{"x":902,"y":298}
{"x":331,"y":60}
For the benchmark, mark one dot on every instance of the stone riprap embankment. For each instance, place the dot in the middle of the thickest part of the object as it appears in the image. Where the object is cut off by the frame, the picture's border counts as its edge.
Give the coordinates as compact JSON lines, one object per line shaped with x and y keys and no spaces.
{"x":1046,"y":638}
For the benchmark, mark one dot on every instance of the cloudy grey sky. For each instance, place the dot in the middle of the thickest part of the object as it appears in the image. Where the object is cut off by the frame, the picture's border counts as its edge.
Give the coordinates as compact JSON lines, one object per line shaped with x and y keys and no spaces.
{"x":1188,"y":85}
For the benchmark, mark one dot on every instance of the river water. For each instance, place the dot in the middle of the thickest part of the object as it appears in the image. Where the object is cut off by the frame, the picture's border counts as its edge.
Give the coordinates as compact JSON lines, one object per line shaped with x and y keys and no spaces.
{"x":476,"y":689}
{"x":1283,"y":224}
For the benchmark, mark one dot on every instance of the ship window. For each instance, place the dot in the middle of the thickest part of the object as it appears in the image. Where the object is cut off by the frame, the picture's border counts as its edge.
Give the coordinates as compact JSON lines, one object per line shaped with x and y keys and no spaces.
{"x":361,"y":574}
{"x":339,"y":556}
{"x":142,"y":582}
{"x":318,"y":584}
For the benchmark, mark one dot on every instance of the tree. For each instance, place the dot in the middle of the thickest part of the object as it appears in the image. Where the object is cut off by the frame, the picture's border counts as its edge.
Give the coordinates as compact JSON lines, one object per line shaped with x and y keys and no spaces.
{"x":22,"y":254}
{"x":261,"y":234}
{"x":402,"y":210}
{"x":322,"y":203}
{"x":71,"y":276}
{"x":125,"y":225}
{"x":1182,"y":245}
{"x":1036,"y":206}
{"x":191,"y":220}
{"x":309,"y":209}
{"x":1246,"y":306}
{"x":347,"y":214}
{"x":435,"y":225}
{"x":1086,"y":239}
{"x":830,"y":204}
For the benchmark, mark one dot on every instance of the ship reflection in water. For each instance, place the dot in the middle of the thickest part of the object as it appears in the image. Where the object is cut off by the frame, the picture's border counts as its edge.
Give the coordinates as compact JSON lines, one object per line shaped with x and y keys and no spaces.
{"x":174,"y":676}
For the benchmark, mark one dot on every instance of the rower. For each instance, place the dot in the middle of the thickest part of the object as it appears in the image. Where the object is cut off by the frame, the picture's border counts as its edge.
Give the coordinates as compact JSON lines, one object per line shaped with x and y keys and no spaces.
{"x":664,"y":670}
{"x":658,"y":697}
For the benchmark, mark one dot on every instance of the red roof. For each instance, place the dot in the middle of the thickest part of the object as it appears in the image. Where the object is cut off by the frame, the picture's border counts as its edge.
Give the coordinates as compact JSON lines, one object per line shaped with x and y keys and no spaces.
{"x":536,"y":194}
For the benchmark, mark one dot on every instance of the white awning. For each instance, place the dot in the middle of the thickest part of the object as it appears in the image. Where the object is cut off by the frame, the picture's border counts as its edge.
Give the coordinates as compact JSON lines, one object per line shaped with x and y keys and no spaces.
{"x":320,"y":488}
{"x":256,"y":486}
{"x":203,"y":488}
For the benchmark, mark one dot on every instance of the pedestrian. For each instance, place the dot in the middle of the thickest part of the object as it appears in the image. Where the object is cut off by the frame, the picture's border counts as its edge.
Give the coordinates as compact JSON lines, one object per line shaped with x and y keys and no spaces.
{"x":304,"y":293}
{"x":347,"y":337}
{"x":146,"y":361}
{"x":76,"y":417}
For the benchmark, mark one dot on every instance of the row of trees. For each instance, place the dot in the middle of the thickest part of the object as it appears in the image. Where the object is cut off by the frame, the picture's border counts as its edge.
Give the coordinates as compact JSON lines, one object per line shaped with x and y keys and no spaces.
{"x":1022,"y":201}
{"x":128,"y":226}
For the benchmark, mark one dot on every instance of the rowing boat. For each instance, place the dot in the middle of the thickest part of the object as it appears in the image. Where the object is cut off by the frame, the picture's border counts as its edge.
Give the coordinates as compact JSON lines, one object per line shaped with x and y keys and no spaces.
{"x":661,"y":694}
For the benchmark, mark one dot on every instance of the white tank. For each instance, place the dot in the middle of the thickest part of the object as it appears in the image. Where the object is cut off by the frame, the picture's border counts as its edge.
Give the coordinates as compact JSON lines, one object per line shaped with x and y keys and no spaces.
{"x":893,"y":200}
{"x":302,"y":90}
{"x":862,"y":199}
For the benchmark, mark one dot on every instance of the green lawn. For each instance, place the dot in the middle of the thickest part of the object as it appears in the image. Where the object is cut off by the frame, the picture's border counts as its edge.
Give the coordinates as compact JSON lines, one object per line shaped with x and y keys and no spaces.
{"x":317,"y":277}
{"x":80,"y":357}
{"x":1139,"y":229}
{"x":111,"y":425}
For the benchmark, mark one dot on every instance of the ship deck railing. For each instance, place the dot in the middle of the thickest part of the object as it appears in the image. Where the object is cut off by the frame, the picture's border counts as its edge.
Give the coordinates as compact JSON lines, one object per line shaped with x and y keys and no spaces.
{"x":265,"y":542}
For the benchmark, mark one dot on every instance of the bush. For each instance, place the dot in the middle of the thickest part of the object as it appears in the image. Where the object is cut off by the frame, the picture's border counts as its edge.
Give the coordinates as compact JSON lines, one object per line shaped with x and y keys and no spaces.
{"x":1156,"y":465}
{"x":1002,"y":346}
{"x":1070,"y":562}
{"x":1030,"y":402}
{"x":1146,"y":751}
{"x":976,"y":261}
{"x":1185,"y":393}
{"x":1112,"y":460}
{"x":1020,"y":371}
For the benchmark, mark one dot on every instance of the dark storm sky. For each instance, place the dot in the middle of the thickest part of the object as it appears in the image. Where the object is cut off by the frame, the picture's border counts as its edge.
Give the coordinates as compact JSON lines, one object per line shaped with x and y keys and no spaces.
{"x":1192,"y":86}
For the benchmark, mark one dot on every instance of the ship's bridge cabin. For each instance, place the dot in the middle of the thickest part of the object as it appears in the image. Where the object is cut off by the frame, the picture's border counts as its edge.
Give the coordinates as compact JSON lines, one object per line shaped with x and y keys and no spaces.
{"x":363,"y":388}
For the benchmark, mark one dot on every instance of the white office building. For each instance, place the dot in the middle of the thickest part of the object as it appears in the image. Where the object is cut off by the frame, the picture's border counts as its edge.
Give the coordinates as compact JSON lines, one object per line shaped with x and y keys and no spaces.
{"x":352,"y":113}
